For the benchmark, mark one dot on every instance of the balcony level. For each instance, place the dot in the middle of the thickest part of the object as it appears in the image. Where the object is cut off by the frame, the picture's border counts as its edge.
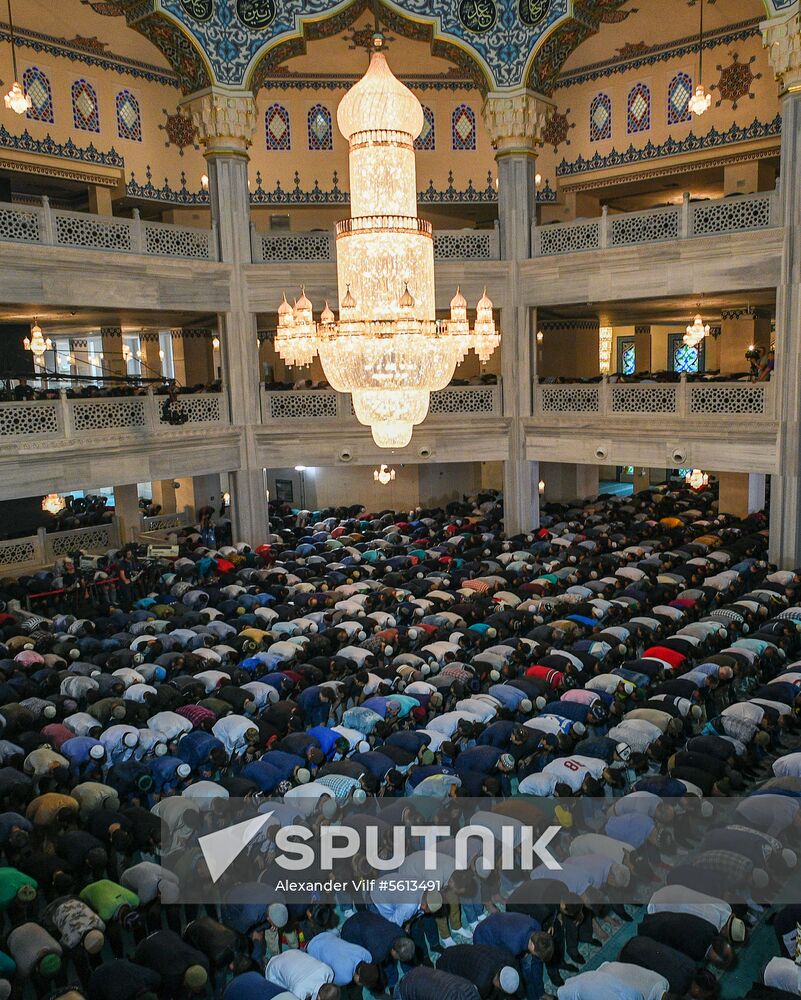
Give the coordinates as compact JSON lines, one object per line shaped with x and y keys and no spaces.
{"x":656,"y":424}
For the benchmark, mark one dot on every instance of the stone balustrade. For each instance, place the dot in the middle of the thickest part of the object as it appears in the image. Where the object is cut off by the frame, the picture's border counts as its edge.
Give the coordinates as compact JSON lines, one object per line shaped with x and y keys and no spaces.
{"x":686,"y":221}
{"x":697,"y":401}
{"x":36,"y":423}
{"x":314,"y":247}
{"x":53,"y":227}
{"x":314,"y":405}
{"x":19,"y":555}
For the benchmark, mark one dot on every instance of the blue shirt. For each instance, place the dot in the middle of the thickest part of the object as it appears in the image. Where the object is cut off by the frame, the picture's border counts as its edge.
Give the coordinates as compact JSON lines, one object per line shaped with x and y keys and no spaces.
{"x":342,"y":956}
{"x":506,"y":930}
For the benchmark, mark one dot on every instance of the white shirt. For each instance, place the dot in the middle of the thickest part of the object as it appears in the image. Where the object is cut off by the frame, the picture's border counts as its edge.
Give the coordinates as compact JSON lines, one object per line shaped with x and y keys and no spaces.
{"x":783,"y":974}
{"x":788,"y":766}
{"x":298,"y":972}
{"x":573,"y":770}
{"x":680,"y":899}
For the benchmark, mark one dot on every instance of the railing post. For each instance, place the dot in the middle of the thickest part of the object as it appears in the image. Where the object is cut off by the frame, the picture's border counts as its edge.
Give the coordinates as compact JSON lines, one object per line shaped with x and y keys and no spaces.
{"x":682,"y":396}
{"x":41,"y":545}
{"x":605,"y":396}
{"x":685,"y":215}
{"x":214,"y":242}
{"x":151,"y":411}
{"x":604,"y":226}
{"x":256,"y":256}
{"x":66,"y":414}
{"x":48,"y":223}
{"x":137,"y":233}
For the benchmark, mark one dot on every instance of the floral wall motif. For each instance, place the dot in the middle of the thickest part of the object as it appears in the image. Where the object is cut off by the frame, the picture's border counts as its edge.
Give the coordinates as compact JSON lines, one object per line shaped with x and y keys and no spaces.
{"x":180,"y":130}
{"x":736,"y":81}
{"x":557,"y":130}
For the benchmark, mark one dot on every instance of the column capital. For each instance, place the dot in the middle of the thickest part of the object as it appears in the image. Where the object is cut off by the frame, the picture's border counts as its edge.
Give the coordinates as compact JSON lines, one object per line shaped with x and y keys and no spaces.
{"x":225,"y":120}
{"x":781,"y":36}
{"x":515,"y":120}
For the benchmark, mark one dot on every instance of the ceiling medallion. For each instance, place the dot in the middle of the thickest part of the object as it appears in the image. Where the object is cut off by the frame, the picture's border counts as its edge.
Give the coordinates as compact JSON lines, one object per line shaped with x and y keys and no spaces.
{"x":256,"y":14}
{"x":533,"y":12}
{"x":200,"y":10}
{"x":478,"y":15}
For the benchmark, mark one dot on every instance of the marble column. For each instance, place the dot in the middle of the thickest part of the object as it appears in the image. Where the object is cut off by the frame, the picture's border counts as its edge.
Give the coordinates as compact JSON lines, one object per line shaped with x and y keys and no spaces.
{"x":113,"y":362}
{"x":782,"y":37}
{"x":514,"y":121}
{"x":226,"y":124}
{"x":126,"y":508}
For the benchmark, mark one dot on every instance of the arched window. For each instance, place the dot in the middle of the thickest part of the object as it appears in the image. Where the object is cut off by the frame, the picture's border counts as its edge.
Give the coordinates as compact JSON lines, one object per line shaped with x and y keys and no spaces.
{"x":638,"y":117}
{"x":37,"y":87}
{"x":463,"y":127}
{"x":427,"y":137}
{"x":85,"y":111}
{"x":321,"y":135}
{"x":276,"y":126}
{"x":129,"y":120}
{"x":600,"y":118}
{"x":680,"y":90}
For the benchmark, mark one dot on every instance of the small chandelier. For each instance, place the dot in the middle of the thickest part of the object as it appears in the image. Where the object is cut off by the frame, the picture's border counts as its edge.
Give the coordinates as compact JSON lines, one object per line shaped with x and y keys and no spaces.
{"x":700,"y":101}
{"x":36,"y":343}
{"x":127,"y":354}
{"x":215,"y":343}
{"x":696,"y":331}
{"x":605,"y":336}
{"x":696,"y":479}
{"x":16,"y":99}
{"x":53,"y":504}
{"x":386,"y":348}
{"x":384,"y":475}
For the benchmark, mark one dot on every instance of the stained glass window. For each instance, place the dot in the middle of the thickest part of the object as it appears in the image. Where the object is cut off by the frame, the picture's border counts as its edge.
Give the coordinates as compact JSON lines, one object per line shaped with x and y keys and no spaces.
{"x":85,"y":111}
{"x":638,"y":118}
{"x":37,"y":87}
{"x":427,"y":138}
{"x":463,"y":128}
{"x":600,"y":118}
{"x":129,"y":120}
{"x":276,"y":125}
{"x":683,"y":358}
{"x":626,"y":356}
{"x":319,"y":129}
{"x":680,"y":89}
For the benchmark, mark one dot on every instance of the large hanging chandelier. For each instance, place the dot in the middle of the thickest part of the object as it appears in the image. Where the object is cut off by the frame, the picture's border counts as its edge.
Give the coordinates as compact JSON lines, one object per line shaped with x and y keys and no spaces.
{"x":36,"y":343}
{"x":387,"y":348}
{"x":696,"y":331}
{"x":700,"y":100}
{"x":16,"y":99}
{"x":696,"y":479}
{"x":384,"y":475}
{"x":53,"y":504}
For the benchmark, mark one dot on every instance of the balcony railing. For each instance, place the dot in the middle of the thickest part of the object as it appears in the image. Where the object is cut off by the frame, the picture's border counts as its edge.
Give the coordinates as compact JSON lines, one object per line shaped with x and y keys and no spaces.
{"x":285,"y":247}
{"x":37,"y":422}
{"x":36,"y":551}
{"x":53,"y":227}
{"x":729,"y":401}
{"x":687,"y":221}
{"x":457,"y":401}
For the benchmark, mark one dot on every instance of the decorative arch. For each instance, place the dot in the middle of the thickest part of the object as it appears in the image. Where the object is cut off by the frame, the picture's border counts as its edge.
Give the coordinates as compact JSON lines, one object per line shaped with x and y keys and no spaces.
{"x":37,"y":86}
{"x":638,"y":109}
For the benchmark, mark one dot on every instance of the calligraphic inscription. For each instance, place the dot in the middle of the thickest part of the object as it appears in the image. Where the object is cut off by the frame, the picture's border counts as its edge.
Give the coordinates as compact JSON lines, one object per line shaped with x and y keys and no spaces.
{"x":200,"y":10}
{"x":533,"y":12}
{"x":478,"y":15}
{"x":256,"y":13}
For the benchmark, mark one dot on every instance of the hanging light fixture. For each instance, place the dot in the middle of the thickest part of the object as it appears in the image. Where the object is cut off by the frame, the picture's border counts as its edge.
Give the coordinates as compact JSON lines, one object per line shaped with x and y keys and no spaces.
{"x":541,"y":487}
{"x":540,"y":336}
{"x":701,"y":100}
{"x":53,"y":504}
{"x":16,"y":99}
{"x":696,"y":331}
{"x":696,"y":479}
{"x":215,"y":343}
{"x":605,"y":335}
{"x":126,"y":353}
{"x":384,"y":475}
{"x":387,"y":348}
{"x":36,"y":343}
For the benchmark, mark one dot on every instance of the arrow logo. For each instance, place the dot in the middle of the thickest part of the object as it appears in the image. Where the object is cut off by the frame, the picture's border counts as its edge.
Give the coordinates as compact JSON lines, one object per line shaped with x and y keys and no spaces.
{"x":221,"y":848}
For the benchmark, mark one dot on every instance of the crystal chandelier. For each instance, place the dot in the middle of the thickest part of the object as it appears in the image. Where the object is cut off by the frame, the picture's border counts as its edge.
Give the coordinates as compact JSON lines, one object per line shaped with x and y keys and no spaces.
{"x":53,"y":504}
{"x":387,"y":348}
{"x":16,"y":99}
{"x":700,"y":101}
{"x":384,"y":475}
{"x":696,"y":479}
{"x":605,"y":336}
{"x":696,"y":331}
{"x":36,"y":343}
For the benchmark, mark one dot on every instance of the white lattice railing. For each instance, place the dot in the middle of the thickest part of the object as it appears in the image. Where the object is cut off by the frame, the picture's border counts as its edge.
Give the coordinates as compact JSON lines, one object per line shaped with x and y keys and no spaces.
{"x":19,"y":555}
{"x":38,"y":422}
{"x":54,"y":227}
{"x":689,"y":220}
{"x":165,"y":522}
{"x":325,"y":404}
{"x":729,"y":400}
{"x":456,"y":244}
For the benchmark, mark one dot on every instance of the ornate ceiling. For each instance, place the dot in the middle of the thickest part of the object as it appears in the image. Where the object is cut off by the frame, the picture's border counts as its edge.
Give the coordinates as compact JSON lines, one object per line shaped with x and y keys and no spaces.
{"x":502,"y":44}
